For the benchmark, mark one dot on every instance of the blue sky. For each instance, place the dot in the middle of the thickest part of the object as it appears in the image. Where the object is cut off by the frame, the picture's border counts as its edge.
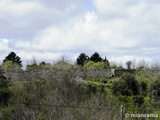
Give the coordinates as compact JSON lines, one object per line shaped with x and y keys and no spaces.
{"x":48,"y":29}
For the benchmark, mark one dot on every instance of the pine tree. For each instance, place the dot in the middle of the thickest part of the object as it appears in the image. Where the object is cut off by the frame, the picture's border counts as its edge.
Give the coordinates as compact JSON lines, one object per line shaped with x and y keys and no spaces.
{"x":96,"y":57}
{"x":82,"y":59}
{"x":14,"y":58}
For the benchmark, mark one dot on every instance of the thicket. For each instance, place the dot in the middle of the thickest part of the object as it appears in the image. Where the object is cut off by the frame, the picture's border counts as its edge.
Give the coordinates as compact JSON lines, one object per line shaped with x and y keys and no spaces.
{"x":65,"y":96}
{"x":68,"y":97}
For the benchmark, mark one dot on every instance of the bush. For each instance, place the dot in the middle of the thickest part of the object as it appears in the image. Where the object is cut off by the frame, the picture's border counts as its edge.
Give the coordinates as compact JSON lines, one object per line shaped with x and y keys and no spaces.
{"x":5,"y":93}
{"x":98,"y":66}
{"x":155,"y":88}
{"x":10,"y":66}
{"x":41,"y":117}
{"x":7,"y":113}
{"x":138,"y":100}
{"x":89,"y":65}
{"x":144,"y":87}
{"x":126,"y":86}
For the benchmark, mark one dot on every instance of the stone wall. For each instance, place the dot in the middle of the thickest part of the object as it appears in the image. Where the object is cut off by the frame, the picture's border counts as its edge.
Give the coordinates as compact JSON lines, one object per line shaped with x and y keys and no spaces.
{"x":51,"y":74}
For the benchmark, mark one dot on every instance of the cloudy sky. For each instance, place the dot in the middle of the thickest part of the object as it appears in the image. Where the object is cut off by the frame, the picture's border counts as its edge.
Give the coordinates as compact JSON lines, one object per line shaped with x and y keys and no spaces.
{"x":48,"y":29}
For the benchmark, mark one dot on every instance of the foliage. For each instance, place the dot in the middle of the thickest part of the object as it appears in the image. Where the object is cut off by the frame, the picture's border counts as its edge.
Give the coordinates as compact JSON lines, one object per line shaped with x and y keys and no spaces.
{"x":89,"y":65}
{"x":98,"y":65}
{"x":126,"y":86}
{"x":41,"y":117}
{"x":142,"y":64}
{"x":14,"y":58}
{"x":106,"y":61}
{"x":138,"y":100}
{"x":101,"y":65}
{"x":9,"y":66}
{"x":96,"y":57}
{"x":5,"y":93}
{"x":82,"y":59}
{"x":32,"y":67}
{"x":62,"y":65}
{"x":46,"y":99}
{"x":6,"y":113}
{"x":40,"y":66}
{"x":155,"y":89}
{"x":61,"y":95}
{"x":129,"y":63}
{"x":143,"y":87}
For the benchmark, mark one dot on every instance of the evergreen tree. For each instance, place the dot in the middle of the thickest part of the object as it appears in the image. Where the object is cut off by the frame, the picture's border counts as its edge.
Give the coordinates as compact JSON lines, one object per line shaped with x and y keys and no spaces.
{"x":14,"y":58}
{"x":96,"y":57}
{"x":82,"y":59}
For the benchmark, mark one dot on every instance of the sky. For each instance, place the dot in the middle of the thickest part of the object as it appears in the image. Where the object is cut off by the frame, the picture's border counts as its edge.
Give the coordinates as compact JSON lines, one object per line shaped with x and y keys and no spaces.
{"x":48,"y":29}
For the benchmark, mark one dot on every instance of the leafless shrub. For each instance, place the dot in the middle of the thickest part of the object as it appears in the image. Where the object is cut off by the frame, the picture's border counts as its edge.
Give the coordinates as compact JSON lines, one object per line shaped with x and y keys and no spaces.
{"x":60,"y":98}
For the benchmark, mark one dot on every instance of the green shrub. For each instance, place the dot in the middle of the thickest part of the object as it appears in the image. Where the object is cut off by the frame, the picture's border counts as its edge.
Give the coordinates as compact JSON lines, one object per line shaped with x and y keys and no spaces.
{"x":41,"y":117}
{"x":5,"y":92}
{"x":10,"y":66}
{"x":7,"y":113}
{"x":126,"y":86}
{"x":144,"y":87}
{"x":98,"y":65}
{"x":155,"y":88}
{"x":138,"y":100}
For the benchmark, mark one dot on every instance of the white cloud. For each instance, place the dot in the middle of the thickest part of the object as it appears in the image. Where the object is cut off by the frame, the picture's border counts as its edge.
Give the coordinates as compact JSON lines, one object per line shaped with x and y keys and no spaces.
{"x":85,"y":33}
{"x":112,"y":6}
{"x":20,"y":14}
{"x":4,"y":44}
{"x":72,"y":34}
{"x":18,"y":8}
{"x":120,"y":30}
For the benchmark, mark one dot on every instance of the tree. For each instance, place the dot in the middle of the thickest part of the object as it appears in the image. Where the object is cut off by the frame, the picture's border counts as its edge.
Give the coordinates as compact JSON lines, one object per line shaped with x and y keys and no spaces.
{"x":127,"y":86}
{"x":129,"y":63}
{"x":5,"y":92}
{"x":142,"y":64}
{"x":133,"y":64}
{"x":10,"y":66}
{"x":155,"y":88}
{"x":96,"y":57}
{"x":106,"y":61}
{"x":14,"y":58}
{"x":42,"y":63}
{"x":82,"y":59}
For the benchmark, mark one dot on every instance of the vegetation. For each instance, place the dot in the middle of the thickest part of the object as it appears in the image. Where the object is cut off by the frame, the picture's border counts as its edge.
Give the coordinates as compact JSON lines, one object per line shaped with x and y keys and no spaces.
{"x":13,"y":58}
{"x":82,"y":59}
{"x":96,"y":57}
{"x":129,"y":63}
{"x":12,"y":62}
{"x":5,"y":92}
{"x":126,"y":86}
{"x":53,"y":91}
